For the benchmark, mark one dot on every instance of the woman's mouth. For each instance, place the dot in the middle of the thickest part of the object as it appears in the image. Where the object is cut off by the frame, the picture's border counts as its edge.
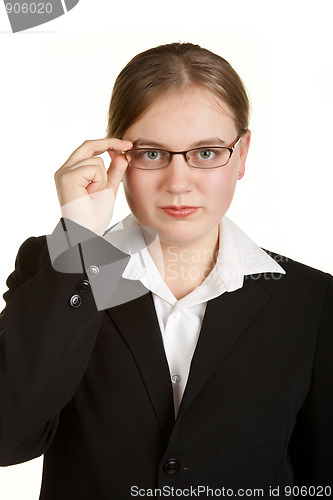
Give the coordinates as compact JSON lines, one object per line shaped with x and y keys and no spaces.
{"x":180,"y":212}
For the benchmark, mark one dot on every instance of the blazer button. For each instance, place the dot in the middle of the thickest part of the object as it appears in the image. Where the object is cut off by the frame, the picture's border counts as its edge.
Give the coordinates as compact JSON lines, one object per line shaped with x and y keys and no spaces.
{"x":172,"y":466}
{"x":75,"y":301}
{"x":92,"y":271}
{"x":83,"y":286}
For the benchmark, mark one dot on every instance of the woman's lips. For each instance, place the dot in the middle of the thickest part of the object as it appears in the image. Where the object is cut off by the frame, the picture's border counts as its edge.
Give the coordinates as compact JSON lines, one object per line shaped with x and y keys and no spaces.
{"x":180,"y":211}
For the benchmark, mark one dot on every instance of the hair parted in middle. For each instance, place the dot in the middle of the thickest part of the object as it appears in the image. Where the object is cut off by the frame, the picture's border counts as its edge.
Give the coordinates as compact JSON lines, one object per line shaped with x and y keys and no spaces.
{"x":173,"y":67}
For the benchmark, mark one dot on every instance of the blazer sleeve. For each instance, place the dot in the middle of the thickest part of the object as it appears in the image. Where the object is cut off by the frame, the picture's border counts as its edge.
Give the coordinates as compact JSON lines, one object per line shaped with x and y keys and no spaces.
{"x":311,"y":448}
{"x":47,"y":333}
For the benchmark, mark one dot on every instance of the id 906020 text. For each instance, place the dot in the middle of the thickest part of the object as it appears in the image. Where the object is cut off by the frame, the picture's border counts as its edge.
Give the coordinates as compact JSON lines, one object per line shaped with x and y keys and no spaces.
{"x":29,"y":8}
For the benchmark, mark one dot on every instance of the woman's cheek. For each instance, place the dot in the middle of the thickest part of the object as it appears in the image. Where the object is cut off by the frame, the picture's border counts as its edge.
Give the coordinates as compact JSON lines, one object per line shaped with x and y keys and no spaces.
{"x":127,"y":183}
{"x":135,"y":188}
{"x":222,"y":191}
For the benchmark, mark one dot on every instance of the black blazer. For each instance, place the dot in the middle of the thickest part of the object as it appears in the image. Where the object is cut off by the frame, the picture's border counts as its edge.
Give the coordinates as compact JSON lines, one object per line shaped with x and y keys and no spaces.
{"x":91,"y":389}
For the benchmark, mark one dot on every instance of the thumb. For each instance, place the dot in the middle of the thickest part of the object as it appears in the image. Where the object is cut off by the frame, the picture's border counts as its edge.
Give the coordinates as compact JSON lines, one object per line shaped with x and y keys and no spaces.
{"x":116,"y":171}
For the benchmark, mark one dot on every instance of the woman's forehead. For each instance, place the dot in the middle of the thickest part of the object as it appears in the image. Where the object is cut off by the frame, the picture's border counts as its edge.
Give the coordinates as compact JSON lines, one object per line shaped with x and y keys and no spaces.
{"x":191,"y":96}
{"x":189,"y":113}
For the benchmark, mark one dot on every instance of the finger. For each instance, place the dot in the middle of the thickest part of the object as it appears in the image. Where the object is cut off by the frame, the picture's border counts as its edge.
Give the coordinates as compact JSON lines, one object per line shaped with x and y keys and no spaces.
{"x":96,"y":160}
{"x":96,"y":147}
{"x":113,"y":153}
{"x":73,"y":184}
{"x":116,"y":171}
{"x":89,"y":174}
{"x":73,"y":170}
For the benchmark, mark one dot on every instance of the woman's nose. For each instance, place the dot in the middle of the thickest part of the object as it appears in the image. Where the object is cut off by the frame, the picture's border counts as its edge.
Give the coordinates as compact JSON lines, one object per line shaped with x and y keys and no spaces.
{"x":178,"y":175}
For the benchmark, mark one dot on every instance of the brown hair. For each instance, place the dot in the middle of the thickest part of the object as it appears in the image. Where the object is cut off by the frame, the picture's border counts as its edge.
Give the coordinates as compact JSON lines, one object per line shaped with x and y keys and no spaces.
{"x":169,"y":68}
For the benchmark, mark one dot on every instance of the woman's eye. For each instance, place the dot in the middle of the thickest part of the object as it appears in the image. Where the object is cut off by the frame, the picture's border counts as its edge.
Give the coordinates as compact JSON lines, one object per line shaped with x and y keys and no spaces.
{"x":206,"y":154}
{"x":152,"y":155}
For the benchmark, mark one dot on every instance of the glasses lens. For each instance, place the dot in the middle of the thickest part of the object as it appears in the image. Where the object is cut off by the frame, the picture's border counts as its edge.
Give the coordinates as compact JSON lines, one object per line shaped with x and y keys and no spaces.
{"x":147,"y":159}
{"x":208,"y":157}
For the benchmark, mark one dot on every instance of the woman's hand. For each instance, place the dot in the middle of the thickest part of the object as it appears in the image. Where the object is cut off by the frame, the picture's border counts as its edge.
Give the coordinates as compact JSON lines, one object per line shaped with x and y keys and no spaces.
{"x":86,"y":190}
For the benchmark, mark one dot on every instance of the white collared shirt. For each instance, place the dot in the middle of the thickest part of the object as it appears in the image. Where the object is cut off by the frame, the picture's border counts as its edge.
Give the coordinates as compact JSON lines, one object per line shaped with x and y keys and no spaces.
{"x":180,"y":320}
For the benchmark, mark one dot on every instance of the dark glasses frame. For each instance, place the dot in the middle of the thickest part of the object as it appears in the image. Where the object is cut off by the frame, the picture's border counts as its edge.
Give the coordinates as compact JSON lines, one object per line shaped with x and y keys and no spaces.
{"x":231,"y":149}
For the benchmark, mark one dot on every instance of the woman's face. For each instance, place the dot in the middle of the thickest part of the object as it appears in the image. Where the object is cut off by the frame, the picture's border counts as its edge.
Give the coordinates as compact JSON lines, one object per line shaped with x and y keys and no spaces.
{"x":178,"y":122}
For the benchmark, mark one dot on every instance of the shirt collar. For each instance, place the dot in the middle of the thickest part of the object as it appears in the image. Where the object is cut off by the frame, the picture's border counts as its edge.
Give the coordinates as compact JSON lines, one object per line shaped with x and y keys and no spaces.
{"x":128,"y":237}
{"x":238,"y":256}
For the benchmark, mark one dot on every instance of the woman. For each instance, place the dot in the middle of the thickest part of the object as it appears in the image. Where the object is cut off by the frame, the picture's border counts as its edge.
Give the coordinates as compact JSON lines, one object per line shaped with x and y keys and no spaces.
{"x":170,"y":355}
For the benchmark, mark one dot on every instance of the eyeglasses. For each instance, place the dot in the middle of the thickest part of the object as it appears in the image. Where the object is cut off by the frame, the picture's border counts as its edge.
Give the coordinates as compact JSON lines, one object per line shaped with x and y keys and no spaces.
{"x":204,"y":158}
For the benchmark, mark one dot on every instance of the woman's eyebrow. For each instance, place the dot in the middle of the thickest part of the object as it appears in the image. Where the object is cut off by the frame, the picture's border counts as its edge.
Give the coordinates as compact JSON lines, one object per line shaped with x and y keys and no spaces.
{"x":147,"y":142}
{"x":212,"y":141}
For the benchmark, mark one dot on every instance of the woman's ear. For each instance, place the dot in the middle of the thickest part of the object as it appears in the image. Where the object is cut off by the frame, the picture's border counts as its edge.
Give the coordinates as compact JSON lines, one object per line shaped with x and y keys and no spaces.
{"x":244,"y":149}
{"x":245,"y":144}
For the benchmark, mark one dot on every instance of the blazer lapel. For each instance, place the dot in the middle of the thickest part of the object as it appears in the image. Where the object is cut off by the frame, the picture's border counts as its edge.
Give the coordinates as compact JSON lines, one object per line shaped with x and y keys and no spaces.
{"x":226,"y":318}
{"x":137,"y":323}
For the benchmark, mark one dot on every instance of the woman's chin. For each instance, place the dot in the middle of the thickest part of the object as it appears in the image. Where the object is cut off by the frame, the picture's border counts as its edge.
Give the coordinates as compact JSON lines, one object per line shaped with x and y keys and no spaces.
{"x":178,"y":236}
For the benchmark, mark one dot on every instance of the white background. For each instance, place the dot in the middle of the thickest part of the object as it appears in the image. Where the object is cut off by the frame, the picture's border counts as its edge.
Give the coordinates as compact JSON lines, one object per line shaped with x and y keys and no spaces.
{"x":55,"y":88}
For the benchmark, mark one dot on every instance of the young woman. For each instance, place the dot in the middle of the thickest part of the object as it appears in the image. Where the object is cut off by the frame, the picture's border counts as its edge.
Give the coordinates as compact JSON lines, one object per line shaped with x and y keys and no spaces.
{"x":170,"y":355}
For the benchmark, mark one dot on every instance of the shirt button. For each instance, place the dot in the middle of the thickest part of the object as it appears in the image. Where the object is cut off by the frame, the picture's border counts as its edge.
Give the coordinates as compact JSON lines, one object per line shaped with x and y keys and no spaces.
{"x":83,"y":286}
{"x":92,"y":271}
{"x":176,"y":315}
{"x":175,"y":378}
{"x":75,"y":301}
{"x":171,"y":467}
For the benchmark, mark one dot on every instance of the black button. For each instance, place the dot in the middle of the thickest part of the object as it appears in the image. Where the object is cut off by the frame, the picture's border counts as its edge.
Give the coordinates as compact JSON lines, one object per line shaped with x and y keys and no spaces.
{"x":75,"y":301}
{"x":83,"y":286}
{"x":172,"y":466}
